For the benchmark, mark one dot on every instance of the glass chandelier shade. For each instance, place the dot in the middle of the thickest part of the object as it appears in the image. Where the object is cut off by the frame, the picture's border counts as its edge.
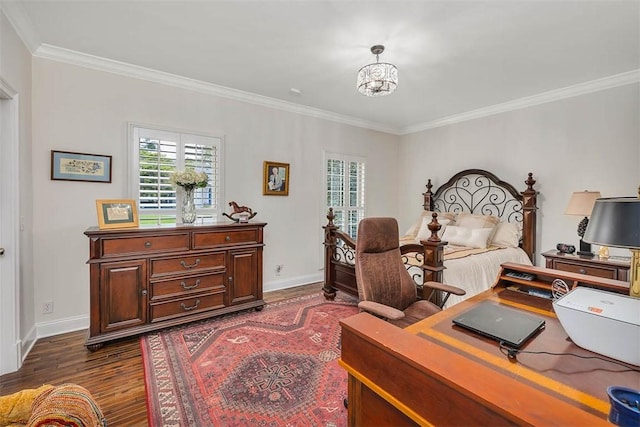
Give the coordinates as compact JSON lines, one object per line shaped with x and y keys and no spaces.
{"x":377,"y":79}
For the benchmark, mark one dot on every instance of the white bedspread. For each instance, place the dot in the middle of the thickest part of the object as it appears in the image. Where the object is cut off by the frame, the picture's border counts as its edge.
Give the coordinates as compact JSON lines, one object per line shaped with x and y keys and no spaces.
{"x":479,"y":272}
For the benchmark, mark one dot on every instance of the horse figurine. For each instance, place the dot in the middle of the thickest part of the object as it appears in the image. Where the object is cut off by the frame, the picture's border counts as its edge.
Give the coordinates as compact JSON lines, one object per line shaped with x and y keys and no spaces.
{"x":239,"y":209}
{"x":240,"y":213}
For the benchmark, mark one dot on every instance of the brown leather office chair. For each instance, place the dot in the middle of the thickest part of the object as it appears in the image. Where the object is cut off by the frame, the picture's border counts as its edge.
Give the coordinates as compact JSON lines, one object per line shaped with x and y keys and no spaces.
{"x":385,"y":287}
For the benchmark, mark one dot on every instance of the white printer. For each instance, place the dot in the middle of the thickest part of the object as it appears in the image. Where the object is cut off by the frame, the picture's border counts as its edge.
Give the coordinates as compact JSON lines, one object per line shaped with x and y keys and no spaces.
{"x":603,"y":322}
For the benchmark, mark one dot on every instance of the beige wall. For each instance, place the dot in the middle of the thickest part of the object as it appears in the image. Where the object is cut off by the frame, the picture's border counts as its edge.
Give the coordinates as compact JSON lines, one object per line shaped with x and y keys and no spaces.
{"x":588,"y":142}
{"x":80,"y":109}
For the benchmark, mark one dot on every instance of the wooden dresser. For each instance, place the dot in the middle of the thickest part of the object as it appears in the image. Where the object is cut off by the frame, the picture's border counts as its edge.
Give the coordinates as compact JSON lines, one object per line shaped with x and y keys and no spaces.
{"x":147,"y":278}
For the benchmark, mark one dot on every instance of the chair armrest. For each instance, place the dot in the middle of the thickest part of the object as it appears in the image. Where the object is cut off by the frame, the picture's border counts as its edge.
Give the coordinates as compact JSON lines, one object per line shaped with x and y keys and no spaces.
{"x":381,"y":310}
{"x":445,"y":288}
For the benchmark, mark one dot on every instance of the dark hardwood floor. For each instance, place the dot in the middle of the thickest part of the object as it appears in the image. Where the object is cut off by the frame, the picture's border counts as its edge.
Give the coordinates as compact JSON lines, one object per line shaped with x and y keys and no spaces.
{"x":113,"y":374}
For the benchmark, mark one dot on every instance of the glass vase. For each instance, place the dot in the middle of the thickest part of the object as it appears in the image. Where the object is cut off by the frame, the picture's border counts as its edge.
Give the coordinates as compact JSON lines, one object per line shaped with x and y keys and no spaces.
{"x":188,"y":207}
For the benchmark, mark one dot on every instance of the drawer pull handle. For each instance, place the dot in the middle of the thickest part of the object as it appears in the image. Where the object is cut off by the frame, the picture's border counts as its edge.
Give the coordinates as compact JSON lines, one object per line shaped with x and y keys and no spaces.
{"x":147,"y":244}
{"x":144,"y":292}
{"x":187,"y":287}
{"x":227,"y":238}
{"x":185,"y":308}
{"x":582,"y":271}
{"x":185,"y":265}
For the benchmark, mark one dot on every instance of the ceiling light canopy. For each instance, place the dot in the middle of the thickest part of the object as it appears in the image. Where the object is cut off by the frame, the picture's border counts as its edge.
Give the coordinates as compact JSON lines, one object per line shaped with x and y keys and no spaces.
{"x":377,"y":79}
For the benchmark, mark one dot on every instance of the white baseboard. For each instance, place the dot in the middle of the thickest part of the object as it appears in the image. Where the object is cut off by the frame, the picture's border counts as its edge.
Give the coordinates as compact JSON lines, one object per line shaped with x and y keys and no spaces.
{"x":27,"y":343}
{"x":62,"y":326}
{"x":276,"y":285}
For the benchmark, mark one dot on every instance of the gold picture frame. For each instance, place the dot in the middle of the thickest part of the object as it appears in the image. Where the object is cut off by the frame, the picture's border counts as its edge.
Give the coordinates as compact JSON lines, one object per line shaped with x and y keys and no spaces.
{"x":117,"y":213}
{"x":275,"y":181}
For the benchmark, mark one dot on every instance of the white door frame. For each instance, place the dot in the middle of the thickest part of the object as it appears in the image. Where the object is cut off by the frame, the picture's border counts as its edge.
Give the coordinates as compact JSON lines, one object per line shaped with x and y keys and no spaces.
{"x":10,"y":346}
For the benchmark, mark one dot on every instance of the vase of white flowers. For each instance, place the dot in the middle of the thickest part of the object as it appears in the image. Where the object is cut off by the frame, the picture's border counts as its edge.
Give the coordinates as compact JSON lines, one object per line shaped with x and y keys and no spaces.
{"x":189,"y":180}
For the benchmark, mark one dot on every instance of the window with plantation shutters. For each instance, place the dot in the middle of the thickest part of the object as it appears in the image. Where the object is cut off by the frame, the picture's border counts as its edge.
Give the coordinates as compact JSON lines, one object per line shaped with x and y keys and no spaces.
{"x":157,"y":154}
{"x":345,"y":190}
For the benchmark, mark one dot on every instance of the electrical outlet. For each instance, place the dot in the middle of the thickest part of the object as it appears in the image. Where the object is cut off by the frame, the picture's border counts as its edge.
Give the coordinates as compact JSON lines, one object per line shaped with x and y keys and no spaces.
{"x":279,"y":268}
{"x":47,"y":307}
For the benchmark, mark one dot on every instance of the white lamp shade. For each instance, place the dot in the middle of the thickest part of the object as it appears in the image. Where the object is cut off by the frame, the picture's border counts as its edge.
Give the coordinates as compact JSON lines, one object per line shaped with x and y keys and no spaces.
{"x":581,"y":203}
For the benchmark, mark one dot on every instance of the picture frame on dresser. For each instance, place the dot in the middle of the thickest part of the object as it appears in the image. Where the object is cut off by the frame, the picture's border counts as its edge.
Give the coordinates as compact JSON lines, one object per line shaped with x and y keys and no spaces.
{"x":117,"y":213}
{"x":72,"y":166}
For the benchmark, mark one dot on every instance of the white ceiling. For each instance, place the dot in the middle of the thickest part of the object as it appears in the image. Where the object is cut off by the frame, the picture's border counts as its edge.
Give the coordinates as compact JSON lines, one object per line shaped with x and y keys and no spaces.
{"x":453,"y":57}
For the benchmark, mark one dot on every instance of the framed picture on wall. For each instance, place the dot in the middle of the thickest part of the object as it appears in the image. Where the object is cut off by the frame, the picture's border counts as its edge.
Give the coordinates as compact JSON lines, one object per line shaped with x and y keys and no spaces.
{"x":275,"y":179}
{"x":70,"y":166}
{"x":120,"y":213}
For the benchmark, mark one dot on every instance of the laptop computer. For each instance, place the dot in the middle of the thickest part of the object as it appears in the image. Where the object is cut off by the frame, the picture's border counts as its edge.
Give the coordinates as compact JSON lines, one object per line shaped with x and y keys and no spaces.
{"x":503,"y":324}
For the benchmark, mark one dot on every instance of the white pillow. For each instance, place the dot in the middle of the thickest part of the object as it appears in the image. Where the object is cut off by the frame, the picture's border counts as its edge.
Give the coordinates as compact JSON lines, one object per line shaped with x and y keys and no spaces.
{"x":424,"y":233}
{"x":506,"y":234}
{"x":465,"y":219}
{"x":412,"y":232}
{"x":469,"y":237}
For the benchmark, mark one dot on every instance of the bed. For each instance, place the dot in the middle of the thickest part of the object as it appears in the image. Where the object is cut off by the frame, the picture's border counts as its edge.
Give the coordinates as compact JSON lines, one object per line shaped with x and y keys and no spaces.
{"x":461,"y":210}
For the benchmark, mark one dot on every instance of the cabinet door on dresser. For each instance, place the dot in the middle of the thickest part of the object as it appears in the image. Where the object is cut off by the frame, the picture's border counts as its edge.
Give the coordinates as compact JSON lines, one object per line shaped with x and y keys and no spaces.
{"x":123,"y":294}
{"x":244,"y":275}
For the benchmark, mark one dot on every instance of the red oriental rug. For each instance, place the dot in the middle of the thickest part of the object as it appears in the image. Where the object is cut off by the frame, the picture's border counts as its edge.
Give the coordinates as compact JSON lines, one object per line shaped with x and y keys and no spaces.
{"x":275,"y":367}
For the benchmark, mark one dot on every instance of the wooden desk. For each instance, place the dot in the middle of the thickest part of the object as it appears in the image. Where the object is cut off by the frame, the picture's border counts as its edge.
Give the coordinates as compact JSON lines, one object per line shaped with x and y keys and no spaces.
{"x":433,"y":373}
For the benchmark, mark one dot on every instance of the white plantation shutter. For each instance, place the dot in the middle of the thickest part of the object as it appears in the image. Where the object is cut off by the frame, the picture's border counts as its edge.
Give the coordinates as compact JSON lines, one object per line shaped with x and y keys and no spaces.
{"x":157,"y":159}
{"x":345,"y":190}
{"x":156,"y":155}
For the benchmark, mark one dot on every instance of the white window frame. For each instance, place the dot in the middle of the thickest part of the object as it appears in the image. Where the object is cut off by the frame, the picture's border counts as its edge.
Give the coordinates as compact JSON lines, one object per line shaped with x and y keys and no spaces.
{"x":359,"y":207}
{"x":181,"y":137}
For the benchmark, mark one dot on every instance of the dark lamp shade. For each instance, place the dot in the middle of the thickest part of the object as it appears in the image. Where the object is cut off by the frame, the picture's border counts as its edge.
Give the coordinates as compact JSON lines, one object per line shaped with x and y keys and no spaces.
{"x":615,"y":222}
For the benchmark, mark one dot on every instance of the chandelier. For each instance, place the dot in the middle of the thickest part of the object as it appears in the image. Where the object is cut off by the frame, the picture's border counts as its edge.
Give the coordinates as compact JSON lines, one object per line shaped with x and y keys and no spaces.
{"x":377,"y":79}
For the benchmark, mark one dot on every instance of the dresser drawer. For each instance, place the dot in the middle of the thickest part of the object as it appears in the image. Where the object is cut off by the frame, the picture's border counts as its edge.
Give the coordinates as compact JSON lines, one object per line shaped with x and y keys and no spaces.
{"x":186,"y":285}
{"x":185,"y":307}
{"x":203,"y":240}
{"x":597,"y":271}
{"x":187,"y":264}
{"x":130,"y":245}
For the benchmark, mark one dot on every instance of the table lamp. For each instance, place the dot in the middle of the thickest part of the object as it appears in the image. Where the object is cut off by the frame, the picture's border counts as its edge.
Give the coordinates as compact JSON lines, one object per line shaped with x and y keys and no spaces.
{"x":616,"y":222}
{"x":581,"y":204}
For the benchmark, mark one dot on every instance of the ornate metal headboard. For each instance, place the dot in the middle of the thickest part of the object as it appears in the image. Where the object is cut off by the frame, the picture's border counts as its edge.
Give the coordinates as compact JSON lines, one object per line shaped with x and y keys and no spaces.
{"x":481,"y":192}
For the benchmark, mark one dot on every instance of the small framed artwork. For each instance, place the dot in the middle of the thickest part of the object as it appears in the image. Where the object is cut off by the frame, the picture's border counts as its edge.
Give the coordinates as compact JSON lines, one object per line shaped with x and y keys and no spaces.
{"x":117,"y":213}
{"x":275,"y":179}
{"x":70,"y":166}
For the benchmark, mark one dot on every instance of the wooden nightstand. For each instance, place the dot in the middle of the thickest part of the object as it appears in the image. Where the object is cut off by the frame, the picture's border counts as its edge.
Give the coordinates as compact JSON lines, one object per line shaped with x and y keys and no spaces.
{"x":616,"y":268}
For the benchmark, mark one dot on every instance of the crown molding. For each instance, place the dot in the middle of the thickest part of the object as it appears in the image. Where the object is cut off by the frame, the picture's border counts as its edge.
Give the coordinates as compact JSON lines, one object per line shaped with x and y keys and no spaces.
{"x":609,"y":82}
{"x":102,"y":64}
{"x":15,"y":13}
